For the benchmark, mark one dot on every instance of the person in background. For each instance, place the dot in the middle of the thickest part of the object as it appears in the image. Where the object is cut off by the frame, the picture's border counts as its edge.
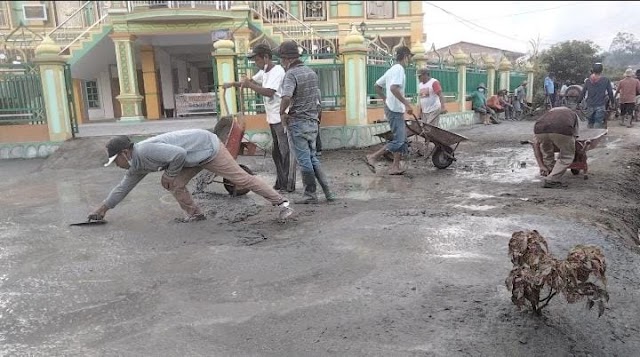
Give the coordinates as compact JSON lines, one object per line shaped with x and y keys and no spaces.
{"x":563,"y":92}
{"x":520,"y":96}
{"x":628,"y":88}
{"x":479,"y":103}
{"x":180,"y":155}
{"x":549,"y":89}
{"x":299,"y":112}
{"x":431,"y":98}
{"x":597,"y":89}
{"x":393,"y":83}
{"x":268,"y":82}
{"x":557,"y":128}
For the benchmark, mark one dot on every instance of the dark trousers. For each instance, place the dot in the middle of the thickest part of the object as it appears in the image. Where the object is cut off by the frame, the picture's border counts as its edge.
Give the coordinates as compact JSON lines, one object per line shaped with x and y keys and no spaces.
{"x":285,"y":178}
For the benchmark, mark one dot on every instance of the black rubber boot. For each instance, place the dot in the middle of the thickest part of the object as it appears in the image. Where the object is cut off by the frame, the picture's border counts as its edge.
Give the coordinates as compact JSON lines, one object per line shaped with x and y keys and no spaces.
{"x":324,"y":183}
{"x":309,"y":182}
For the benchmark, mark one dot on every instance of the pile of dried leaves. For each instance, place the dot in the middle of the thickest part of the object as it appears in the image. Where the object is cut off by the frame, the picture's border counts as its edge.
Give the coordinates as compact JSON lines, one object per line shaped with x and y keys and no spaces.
{"x":537,"y":273}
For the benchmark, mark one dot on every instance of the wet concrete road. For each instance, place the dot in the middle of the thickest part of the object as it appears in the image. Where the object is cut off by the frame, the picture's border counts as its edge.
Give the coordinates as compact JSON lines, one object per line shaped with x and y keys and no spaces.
{"x":399,"y":266}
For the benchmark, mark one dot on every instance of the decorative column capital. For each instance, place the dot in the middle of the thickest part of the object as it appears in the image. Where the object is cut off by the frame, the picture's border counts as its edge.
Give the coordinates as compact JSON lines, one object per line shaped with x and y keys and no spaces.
{"x":224,"y":47}
{"x":489,"y":62}
{"x":460,"y":58}
{"x":354,"y":42}
{"x":528,"y":67}
{"x":505,"y":65}
{"x":48,"y":52}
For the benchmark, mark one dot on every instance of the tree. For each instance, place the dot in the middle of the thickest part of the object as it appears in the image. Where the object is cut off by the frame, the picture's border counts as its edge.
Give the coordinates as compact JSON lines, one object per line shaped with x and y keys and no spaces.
{"x":624,"y":52}
{"x":571,"y":60}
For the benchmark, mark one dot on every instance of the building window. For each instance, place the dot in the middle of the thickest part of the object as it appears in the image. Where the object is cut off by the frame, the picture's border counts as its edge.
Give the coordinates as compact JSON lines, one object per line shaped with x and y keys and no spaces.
{"x":315,"y":10}
{"x":380,"y":9}
{"x":4,"y":15}
{"x":93,"y":97}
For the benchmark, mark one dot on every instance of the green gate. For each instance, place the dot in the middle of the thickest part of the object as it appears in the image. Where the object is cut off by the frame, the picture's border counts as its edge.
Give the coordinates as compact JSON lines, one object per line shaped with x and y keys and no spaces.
{"x":68,"y":85}
{"x":21,"y":98}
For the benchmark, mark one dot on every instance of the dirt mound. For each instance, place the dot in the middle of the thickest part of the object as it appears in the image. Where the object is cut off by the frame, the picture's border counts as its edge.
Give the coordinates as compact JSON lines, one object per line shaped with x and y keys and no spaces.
{"x":79,"y":153}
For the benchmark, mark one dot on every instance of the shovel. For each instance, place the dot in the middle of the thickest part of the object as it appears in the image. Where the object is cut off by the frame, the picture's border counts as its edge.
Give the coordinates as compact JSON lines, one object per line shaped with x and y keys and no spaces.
{"x":89,"y":222}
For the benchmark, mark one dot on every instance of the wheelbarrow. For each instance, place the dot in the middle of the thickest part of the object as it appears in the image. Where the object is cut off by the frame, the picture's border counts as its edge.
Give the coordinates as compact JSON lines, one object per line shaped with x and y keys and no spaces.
{"x":587,"y":139}
{"x":230,"y":130}
{"x":445,"y":142}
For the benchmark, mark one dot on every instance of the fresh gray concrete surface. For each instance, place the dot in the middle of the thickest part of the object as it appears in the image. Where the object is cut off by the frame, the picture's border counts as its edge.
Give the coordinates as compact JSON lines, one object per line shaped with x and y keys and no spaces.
{"x":398,"y":266}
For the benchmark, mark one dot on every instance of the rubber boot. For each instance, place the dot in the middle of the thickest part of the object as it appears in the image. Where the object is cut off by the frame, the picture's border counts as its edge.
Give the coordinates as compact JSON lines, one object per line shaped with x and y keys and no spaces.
{"x":324,"y":183}
{"x":309,"y":182}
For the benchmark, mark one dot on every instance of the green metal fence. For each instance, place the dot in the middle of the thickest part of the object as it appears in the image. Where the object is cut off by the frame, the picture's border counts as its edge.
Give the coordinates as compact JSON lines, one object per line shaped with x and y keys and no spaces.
{"x":71,"y":100}
{"x":515,"y":79}
{"x":21,"y":99}
{"x":253,"y":103}
{"x":475,"y":76}
{"x":377,"y":65}
{"x":448,"y":78}
{"x":330,"y":72}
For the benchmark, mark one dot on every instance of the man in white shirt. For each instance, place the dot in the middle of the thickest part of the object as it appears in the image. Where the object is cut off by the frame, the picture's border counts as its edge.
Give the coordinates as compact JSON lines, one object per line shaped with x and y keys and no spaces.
{"x":394,"y":81}
{"x":431,"y":99}
{"x":268,"y":83}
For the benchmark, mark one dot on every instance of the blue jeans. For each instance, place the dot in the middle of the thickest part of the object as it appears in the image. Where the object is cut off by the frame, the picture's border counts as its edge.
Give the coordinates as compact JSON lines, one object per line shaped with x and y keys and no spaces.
{"x":595,"y":117}
{"x":398,"y":130}
{"x":303,"y":135}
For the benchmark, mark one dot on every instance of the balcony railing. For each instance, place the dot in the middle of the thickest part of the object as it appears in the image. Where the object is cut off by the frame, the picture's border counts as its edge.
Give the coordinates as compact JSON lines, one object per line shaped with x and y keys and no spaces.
{"x":146,"y":5}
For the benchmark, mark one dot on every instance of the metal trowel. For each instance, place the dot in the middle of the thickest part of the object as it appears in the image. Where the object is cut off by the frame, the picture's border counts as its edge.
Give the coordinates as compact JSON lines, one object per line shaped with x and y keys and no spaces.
{"x":89,"y":222}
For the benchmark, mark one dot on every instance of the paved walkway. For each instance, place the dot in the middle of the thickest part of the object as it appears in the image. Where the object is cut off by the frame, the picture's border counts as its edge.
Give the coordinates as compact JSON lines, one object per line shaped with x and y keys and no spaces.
{"x":112,"y":128}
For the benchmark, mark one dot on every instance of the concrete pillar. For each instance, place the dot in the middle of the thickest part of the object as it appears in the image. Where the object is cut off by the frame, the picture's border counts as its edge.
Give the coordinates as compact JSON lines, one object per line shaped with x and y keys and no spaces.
{"x":224,"y":64}
{"x":504,"y":70}
{"x":183,"y":74}
{"x":54,"y":90}
{"x":490,"y":64}
{"x":355,"y":80}
{"x":529,"y":68}
{"x":129,"y":98}
{"x":78,"y":97}
{"x":194,"y":74}
{"x":461,"y":59}
{"x":151,"y":90}
{"x":166,"y":80}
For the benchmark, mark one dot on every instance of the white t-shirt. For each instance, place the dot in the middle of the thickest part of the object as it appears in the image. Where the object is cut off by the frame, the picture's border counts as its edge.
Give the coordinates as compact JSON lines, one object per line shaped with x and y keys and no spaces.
{"x":429,"y":99}
{"x":393,"y":76}
{"x":272,"y":80}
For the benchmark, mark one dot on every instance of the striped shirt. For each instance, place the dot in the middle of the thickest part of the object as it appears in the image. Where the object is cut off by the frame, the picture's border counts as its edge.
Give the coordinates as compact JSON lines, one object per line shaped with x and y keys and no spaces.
{"x":301,"y":84}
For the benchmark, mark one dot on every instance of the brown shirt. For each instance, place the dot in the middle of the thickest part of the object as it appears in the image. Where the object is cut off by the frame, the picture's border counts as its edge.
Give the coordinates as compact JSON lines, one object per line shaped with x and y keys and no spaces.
{"x":628,"y":89}
{"x":558,"y":120}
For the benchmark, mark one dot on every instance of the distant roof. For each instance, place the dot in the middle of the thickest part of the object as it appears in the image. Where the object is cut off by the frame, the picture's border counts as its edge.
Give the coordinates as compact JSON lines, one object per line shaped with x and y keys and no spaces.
{"x":461,"y":43}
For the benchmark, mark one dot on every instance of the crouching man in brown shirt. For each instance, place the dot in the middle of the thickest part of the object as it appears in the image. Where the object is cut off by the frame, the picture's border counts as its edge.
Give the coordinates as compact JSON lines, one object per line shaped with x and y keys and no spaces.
{"x":555,"y":131}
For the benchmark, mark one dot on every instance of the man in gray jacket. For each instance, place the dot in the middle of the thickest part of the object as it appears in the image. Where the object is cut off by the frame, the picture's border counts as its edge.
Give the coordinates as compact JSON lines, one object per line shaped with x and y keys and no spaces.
{"x":181,"y":155}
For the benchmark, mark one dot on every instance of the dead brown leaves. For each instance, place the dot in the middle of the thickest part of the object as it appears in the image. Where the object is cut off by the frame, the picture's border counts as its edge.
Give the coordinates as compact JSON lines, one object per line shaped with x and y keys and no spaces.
{"x":537,"y":273}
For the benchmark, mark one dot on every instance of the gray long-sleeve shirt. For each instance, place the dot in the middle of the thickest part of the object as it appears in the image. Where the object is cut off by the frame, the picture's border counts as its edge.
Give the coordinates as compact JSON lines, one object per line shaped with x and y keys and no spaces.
{"x":168,"y":152}
{"x":596,"y":92}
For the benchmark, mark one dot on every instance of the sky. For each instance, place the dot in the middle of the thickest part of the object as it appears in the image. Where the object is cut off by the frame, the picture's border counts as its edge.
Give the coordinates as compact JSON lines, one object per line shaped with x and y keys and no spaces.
{"x":510,"y":25}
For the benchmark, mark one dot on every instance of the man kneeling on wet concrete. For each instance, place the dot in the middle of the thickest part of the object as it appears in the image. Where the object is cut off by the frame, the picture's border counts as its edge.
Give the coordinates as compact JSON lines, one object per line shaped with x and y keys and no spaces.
{"x":558,"y":128}
{"x":181,"y":155}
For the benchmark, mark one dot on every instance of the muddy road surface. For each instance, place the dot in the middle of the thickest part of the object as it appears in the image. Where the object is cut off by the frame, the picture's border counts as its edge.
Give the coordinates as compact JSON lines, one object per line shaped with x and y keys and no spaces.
{"x":409,"y":265}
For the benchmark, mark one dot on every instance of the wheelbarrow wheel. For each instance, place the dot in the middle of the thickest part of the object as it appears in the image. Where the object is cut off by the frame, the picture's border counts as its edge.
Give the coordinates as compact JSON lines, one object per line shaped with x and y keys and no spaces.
{"x":442,"y":156}
{"x":231,"y":188}
{"x":575,"y":171}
